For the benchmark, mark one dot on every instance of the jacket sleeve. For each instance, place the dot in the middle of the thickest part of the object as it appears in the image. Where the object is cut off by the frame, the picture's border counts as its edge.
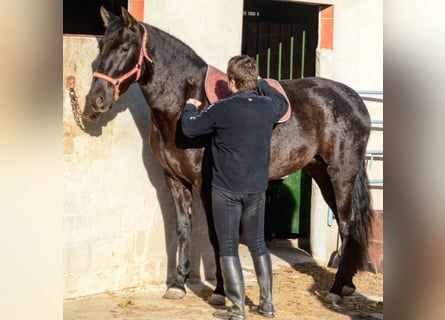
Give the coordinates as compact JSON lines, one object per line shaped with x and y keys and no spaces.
{"x":280,"y":104}
{"x":194,"y":125}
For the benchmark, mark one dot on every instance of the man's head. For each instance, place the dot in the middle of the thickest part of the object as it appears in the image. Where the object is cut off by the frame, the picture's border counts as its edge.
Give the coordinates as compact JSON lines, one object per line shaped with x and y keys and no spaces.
{"x":242,"y":72}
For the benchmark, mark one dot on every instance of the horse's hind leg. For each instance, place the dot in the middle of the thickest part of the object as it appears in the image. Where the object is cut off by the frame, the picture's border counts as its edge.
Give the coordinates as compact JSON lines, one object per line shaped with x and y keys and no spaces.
{"x":318,"y":170}
{"x":338,"y":197}
{"x":182,"y":198}
{"x":354,"y":218}
{"x":337,"y":187}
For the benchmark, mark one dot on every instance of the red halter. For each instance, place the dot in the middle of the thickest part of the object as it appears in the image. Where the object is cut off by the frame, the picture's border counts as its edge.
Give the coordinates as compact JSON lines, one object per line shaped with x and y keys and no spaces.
{"x":137,"y":68}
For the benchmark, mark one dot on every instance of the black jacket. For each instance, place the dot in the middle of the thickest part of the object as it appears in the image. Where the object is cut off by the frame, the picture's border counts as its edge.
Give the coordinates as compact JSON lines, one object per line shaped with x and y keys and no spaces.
{"x":241,"y":127}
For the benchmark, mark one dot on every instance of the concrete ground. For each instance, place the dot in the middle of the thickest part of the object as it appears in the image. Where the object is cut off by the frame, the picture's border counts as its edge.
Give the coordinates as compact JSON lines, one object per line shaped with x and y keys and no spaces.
{"x":147,"y":303}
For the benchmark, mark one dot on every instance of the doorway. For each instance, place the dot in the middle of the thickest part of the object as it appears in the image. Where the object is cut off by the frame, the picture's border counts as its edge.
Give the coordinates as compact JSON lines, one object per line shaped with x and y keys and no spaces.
{"x":282,"y":37}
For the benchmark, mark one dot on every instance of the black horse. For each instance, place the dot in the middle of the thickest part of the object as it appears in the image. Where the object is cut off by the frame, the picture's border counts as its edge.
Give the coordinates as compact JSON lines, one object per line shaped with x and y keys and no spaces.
{"x":327,"y":135}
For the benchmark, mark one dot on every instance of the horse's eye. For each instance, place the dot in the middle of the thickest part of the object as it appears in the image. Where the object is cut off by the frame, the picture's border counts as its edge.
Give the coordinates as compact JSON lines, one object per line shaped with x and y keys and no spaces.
{"x":125,"y":49}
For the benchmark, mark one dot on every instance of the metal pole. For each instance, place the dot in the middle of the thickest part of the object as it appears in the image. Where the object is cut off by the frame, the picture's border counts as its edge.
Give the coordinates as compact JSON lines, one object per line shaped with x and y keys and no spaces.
{"x":291,"y":63}
{"x":257,"y":57}
{"x":303,"y":45}
{"x":369,"y":92}
{"x":280,"y":45}
{"x":280,"y":51}
{"x":268,"y":51}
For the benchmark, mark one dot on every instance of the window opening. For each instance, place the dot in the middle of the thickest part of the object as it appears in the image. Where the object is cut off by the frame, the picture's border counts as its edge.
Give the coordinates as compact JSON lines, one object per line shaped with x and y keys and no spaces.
{"x":83,"y":16}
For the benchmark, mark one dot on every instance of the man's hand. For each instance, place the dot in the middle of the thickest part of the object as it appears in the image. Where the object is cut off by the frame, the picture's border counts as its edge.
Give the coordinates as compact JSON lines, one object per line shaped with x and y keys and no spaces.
{"x":195,"y":102}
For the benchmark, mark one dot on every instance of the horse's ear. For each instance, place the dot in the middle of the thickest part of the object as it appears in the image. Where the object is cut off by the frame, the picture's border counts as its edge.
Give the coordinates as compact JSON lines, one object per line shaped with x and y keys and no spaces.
{"x":106,"y":15}
{"x":128,"y":19}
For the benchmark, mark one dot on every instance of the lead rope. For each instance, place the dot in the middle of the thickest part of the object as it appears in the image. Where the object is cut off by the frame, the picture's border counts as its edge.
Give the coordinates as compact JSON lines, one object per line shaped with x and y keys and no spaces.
{"x":77,"y":112}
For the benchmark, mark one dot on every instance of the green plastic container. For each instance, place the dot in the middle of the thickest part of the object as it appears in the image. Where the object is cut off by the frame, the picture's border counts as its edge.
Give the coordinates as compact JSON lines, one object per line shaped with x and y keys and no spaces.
{"x":288,"y":206}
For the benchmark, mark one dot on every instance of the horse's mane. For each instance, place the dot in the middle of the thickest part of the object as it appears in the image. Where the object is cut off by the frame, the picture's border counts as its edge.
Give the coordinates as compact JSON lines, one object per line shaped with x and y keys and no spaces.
{"x":165,"y":43}
{"x":172,"y":47}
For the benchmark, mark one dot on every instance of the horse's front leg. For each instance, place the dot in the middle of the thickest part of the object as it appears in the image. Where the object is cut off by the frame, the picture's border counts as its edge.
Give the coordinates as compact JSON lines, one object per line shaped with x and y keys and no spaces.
{"x":182,"y":198}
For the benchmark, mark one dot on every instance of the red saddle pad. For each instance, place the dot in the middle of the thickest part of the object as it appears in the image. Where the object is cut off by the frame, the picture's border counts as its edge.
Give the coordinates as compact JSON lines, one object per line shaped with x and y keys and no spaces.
{"x":216,"y":88}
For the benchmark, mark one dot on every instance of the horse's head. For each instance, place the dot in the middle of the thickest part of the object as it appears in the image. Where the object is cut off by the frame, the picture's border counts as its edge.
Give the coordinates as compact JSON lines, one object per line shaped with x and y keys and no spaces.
{"x":120,"y":62}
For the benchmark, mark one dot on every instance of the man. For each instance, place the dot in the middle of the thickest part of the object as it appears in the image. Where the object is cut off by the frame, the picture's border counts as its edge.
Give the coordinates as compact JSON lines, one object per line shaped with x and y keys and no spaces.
{"x":241,"y":128}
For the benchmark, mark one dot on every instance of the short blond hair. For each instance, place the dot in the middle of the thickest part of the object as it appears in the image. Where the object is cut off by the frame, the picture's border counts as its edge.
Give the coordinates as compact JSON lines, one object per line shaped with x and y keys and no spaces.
{"x":244,"y":70}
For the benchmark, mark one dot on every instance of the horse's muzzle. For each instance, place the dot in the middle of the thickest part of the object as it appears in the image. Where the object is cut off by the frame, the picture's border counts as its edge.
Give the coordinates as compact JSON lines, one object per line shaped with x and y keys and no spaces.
{"x":98,"y":104}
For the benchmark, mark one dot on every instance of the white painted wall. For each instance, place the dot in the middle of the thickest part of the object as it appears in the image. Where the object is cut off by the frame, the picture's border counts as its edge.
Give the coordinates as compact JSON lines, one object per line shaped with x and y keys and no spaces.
{"x":357,"y":57}
{"x":114,"y":229}
{"x":212,"y":28}
{"x":356,"y":60}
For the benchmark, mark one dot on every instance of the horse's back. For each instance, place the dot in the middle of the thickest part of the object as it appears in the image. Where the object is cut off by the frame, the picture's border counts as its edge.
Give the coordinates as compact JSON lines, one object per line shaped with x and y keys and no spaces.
{"x":324,"y":104}
{"x":328,"y":118}
{"x":328,"y":95}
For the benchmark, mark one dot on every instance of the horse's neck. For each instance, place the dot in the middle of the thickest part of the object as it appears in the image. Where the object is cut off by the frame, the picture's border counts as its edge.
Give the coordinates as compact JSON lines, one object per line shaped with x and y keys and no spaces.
{"x":173,"y":63}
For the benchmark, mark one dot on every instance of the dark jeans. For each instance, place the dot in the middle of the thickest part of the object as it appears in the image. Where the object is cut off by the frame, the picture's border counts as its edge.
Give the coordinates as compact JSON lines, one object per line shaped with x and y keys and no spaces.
{"x":231,"y":209}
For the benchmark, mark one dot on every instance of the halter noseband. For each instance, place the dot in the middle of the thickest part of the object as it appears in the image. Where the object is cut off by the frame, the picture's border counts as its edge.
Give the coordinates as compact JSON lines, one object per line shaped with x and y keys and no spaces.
{"x":137,"y":68}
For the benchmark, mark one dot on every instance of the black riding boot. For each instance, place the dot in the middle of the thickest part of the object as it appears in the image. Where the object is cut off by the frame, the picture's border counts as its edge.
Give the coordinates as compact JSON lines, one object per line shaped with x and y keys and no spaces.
{"x":233,"y":287}
{"x":263,"y":270}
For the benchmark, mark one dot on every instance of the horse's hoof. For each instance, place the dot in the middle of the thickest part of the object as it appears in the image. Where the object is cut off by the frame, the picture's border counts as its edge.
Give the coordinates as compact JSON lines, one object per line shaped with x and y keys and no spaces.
{"x":174,"y":293}
{"x":347,"y":291}
{"x":333,"y":299}
{"x":217,"y":299}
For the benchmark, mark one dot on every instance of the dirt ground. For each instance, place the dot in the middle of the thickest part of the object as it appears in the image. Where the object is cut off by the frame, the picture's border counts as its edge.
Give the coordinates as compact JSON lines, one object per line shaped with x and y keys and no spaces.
{"x":299,"y":291}
{"x":299,"y":285}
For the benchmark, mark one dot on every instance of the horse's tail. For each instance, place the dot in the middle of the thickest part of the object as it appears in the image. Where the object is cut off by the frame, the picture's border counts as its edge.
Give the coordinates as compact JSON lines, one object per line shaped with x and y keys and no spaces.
{"x":361,"y":220}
